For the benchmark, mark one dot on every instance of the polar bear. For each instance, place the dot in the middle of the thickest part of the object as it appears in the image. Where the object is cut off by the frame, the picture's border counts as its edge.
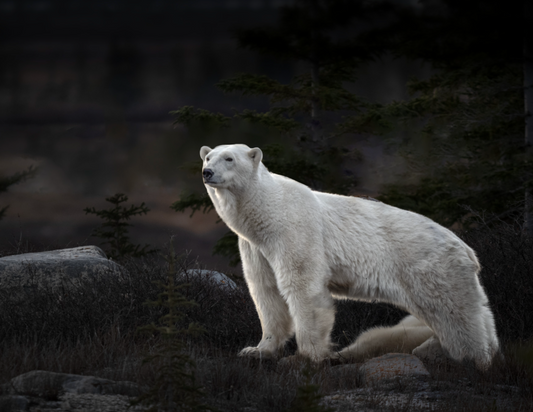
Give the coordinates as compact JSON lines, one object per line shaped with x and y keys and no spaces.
{"x":300,"y":248}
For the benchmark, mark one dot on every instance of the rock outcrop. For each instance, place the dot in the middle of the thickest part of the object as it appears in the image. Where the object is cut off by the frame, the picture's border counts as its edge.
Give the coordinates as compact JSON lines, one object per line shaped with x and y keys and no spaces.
{"x":217,"y":278}
{"x":51,"y":391}
{"x":55,"y":267}
{"x":51,"y":384}
{"x":390,"y":366}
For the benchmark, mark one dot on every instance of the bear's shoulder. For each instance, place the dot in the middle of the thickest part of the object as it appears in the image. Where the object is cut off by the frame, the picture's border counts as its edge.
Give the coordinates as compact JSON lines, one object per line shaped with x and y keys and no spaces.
{"x":288,"y":183}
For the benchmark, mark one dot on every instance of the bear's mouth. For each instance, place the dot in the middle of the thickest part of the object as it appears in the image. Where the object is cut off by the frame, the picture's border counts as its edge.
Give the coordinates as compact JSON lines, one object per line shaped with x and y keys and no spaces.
{"x":211,"y":182}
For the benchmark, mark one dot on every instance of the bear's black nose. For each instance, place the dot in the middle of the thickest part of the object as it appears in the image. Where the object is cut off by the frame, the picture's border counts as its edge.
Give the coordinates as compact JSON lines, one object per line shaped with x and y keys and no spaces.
{"x":208,"y":174}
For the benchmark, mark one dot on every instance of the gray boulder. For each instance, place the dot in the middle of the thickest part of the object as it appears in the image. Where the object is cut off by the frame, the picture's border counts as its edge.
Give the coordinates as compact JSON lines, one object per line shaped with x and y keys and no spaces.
{"x":92,"y":402}
{"x":60,"y":392}
{"x":218,"y":278}
{"x":55,"y":267}
{"x":43,"y":384}
{"x":390,"y":366}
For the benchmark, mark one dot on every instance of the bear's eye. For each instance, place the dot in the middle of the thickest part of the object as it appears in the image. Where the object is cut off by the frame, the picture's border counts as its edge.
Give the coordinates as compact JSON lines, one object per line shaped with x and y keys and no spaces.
{"x":229,"y":159}
{"x":207,"y":158}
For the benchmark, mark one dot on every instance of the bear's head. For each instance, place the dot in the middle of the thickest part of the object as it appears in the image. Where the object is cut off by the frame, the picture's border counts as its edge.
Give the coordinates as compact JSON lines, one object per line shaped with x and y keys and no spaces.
{"x":230,"y":166}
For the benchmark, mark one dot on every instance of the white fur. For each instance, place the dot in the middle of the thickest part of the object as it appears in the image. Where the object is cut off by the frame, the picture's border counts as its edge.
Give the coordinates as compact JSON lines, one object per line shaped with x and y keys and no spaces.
{"x":404,"y":337}
{"x":300,"y":247}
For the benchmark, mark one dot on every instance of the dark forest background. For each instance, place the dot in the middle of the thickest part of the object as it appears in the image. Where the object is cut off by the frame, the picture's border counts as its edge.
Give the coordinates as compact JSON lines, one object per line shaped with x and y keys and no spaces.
{"x":420,"y":104}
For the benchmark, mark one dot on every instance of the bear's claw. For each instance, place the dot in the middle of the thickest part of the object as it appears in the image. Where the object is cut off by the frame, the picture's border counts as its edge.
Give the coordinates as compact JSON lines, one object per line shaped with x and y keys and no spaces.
{"x":255,"y":352}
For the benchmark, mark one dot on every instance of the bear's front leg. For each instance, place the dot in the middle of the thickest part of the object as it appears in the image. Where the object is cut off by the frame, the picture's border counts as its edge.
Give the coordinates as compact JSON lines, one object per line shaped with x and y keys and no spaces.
{"x":272,"y":309}
{"x":310,"y":305}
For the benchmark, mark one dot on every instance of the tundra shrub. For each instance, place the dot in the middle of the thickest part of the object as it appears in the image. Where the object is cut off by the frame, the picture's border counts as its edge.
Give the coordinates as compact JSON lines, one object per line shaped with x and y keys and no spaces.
{"x":506,"y":257}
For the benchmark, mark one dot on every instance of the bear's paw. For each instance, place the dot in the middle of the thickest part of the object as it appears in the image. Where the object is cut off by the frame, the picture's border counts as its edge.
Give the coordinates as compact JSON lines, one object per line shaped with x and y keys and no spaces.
{"x":255,"y":352}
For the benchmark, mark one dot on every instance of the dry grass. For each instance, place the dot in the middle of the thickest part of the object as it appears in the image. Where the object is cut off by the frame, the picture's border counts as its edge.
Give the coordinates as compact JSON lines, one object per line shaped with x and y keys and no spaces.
{"x":91,"y":329}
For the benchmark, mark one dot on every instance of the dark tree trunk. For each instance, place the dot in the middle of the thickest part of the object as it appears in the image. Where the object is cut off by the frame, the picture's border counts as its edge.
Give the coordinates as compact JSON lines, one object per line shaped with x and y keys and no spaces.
{"x":528,"y":104}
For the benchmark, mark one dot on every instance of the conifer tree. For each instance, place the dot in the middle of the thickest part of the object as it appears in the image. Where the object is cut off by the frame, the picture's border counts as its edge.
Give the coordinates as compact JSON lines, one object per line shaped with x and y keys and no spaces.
{"x":528,"y":100}
{"x":114,"y":230}
{"x":308,"y":110}
{"x":308,"y":396}
{"x":466,"y":142}
{"x":175,"y":387}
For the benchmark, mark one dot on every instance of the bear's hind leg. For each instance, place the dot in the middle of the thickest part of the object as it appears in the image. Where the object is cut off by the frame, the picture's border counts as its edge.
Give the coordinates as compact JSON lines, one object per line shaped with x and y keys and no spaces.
{"x":272,"y":309}
{"x":431,"y":350}
{"x":401,"y":338}
{"x":490,"y":329}
{"x":462,"y":336}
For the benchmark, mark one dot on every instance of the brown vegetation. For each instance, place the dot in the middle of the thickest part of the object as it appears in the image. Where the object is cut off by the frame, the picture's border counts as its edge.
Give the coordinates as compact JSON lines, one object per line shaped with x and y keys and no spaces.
{"x":91,"y":329}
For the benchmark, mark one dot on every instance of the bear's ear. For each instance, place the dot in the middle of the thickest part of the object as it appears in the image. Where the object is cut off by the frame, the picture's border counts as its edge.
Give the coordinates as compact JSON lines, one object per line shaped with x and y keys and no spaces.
{"x":204,"y":151}
{"x":256,"y":154}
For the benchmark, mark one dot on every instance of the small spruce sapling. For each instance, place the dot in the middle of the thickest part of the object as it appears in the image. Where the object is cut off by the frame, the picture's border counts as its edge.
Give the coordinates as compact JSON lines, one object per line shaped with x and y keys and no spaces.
{"x":175,"y":387}
{"x":308,"y":396}
{"x":114,"y":229}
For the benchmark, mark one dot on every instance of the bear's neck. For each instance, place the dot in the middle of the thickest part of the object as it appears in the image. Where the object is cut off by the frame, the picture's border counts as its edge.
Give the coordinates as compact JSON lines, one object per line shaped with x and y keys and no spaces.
{"x":249,"y":212}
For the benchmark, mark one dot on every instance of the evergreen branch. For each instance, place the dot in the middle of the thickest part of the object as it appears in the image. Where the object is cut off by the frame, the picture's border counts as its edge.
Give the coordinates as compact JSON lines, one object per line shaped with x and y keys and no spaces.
{"x":330,"y":94}
{"x":193,"y":167}
{"x":194,"y":201}
{"x":15,"y":178}
{"x":189,"y":116}
{"x":7,"y":181}
{"x":114,"y":230}
{"x":334,"y":98}
{"x":270,"y":119}
{"x":3,"y":211}
{"x":227,"y":246}
{"x":259,"y":85}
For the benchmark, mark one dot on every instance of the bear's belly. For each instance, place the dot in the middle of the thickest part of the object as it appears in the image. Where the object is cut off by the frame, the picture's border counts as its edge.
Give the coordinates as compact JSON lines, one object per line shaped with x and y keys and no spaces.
{"x":341,"y":289}
{"x":368,"y":286}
